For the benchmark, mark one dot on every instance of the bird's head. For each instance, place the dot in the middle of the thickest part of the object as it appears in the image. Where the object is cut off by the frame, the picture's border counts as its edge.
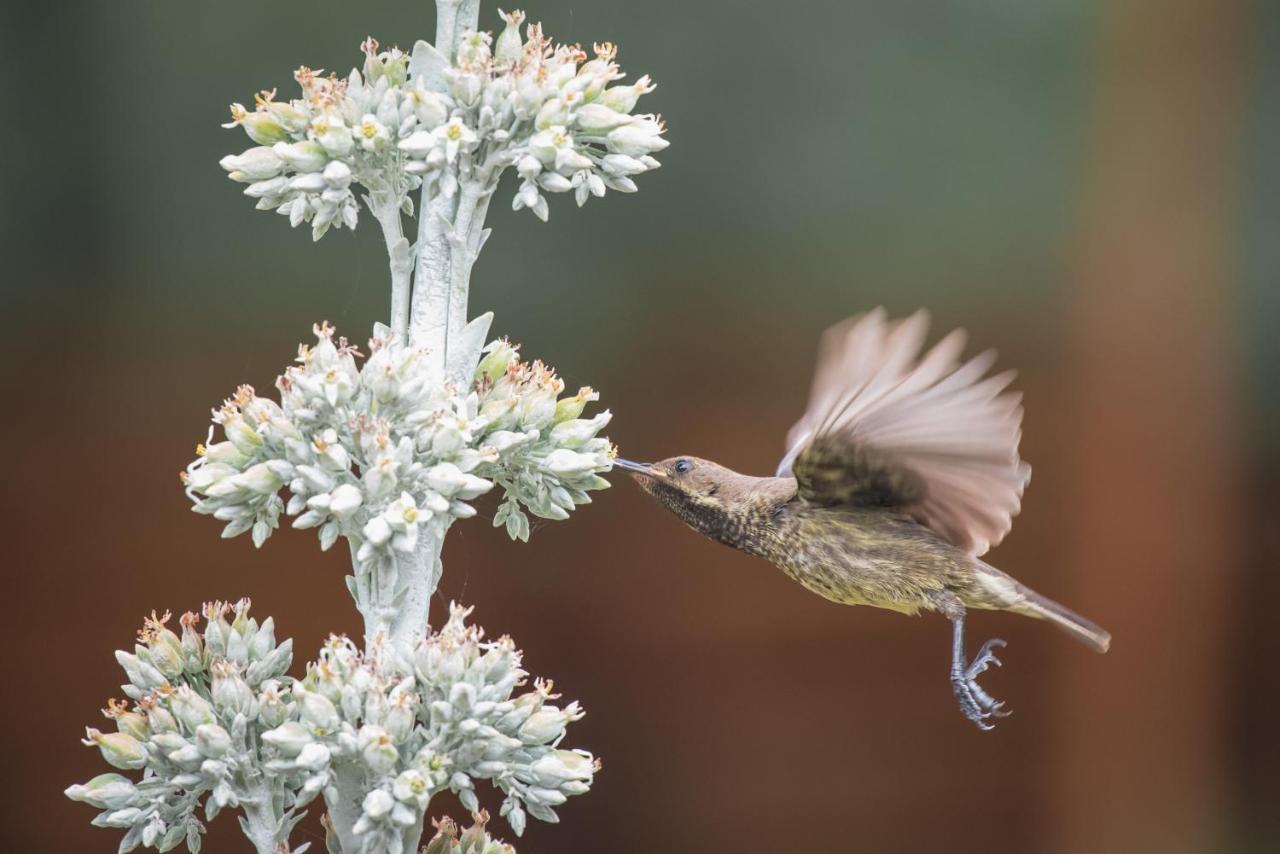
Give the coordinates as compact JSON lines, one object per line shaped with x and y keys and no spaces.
{"x":698,"y":491}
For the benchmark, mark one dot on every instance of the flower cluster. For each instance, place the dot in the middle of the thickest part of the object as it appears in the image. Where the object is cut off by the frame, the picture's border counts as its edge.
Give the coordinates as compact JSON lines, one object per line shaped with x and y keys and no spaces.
{"x":375,"y":453}
{"x":474,"y":839}
{"x":201,"y":704}
{"x":439,"y":721}
{"x":561,"y":119}
{"x":215,"y":719}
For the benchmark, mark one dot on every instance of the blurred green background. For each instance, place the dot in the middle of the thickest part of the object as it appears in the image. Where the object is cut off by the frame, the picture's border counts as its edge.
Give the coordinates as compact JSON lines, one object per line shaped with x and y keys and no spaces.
{"x":1092,"y":188}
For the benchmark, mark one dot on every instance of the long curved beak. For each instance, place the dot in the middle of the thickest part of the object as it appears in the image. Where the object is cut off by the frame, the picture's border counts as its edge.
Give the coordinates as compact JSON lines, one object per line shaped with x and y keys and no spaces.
{"x":645,"y":469}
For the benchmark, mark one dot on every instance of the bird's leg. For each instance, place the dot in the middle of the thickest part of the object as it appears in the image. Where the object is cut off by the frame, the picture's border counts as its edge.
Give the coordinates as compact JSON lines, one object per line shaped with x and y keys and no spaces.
{"x":976,"y":704}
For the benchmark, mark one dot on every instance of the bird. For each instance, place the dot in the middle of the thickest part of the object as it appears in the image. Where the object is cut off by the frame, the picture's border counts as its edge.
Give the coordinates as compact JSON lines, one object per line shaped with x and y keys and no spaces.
{"x":900,"y":475}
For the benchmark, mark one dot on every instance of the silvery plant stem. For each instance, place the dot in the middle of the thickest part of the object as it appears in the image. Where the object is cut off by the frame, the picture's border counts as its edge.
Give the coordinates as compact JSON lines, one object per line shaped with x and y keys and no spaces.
{"x":342,"y":801}
{"x":396,"y":600}
{"x":386,"y":209}
{"x":260,"y":819}
{"x":430,"y":283}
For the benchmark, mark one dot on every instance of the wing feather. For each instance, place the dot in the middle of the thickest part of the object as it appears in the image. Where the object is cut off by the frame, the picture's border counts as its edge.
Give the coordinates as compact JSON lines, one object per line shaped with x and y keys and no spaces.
{"x":888,"y":424}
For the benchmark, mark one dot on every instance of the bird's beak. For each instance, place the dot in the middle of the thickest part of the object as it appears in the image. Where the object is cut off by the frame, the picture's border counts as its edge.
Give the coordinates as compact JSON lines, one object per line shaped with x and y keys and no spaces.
{"x":645,"y":469}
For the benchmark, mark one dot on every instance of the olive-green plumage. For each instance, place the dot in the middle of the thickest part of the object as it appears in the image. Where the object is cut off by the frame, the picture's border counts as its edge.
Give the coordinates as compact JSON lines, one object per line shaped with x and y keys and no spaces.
{"x":901,"y":474}
{"x":851,"y":554}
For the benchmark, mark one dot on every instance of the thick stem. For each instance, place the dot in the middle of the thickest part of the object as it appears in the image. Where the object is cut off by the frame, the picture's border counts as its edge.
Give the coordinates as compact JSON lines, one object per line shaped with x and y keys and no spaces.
{"x":419,"y":577}
{"x":453,"y":18}
{"x":343,"y":800}
{"x":411,"y":839}
{"x":463,"y":258}
{"x":468,"y":18}
{"x":260,"y":819}
{"x":447,"y":27}
{"x":386,"y":210}
{"x":429,"y":314}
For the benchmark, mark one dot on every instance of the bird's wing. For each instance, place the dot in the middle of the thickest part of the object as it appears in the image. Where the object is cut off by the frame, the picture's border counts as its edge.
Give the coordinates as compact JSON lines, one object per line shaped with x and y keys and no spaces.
{"x":927,"y":433}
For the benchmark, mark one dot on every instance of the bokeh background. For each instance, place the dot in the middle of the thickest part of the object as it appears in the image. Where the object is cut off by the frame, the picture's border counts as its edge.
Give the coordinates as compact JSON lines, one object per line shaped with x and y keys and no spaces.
{"x":1090,"y":187}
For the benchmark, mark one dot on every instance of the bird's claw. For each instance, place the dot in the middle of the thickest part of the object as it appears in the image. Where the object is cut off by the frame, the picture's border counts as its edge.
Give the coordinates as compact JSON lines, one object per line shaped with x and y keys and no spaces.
{"x":984,"y":659}
{"x":975,"y":703}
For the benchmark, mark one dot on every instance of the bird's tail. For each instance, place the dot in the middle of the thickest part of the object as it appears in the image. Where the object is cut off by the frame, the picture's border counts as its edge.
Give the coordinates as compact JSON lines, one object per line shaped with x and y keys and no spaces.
{"x":1087,"y":632}
{"x":1029,"y":603}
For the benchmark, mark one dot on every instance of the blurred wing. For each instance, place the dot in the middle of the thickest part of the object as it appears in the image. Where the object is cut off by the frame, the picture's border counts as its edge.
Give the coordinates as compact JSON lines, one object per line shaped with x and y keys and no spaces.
{"x":929,"y":434}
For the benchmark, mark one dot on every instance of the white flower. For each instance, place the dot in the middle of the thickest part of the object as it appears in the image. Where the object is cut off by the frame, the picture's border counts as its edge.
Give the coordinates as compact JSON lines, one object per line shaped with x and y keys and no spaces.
{"x":402,"y":518}
{"x":371,"y":133}
{"x":333,"y":134}
{"x":412,"y":787}
{"x":454,"y":137}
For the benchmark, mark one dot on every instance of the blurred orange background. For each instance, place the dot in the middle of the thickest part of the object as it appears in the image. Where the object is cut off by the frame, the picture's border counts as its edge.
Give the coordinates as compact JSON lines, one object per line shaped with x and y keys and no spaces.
{"x":1091,"y":188}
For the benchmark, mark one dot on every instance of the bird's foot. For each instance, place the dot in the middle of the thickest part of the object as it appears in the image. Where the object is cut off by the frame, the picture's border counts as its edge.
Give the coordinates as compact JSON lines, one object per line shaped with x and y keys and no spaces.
{"x":976,"y":704}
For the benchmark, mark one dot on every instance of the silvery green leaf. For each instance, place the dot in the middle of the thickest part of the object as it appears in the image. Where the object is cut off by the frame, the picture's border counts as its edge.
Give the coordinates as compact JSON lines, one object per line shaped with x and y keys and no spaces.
{"x":464,"y":351}
{"x":131,"y":839}
{"x":428,"y":64}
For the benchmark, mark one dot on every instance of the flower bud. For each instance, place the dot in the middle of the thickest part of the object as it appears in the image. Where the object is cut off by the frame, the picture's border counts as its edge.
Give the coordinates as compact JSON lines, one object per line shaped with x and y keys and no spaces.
{"x":377,"y":804}
{"x":133,"y":723}
{"x":263,"y":127}
{"x":377,"y":750}
{"x":139,"y":672}
{"x":254,"y":164}
{"x":119,"y":748}
{"x":263,"y":641}
{"x":290,"y":117}
{"x":543,"y":726}
{"x":231,"y":694}
{"x":498,"y":356}
{"x":598,"y":118}
{"x":106,"y":791}
{"x":307,"y":182}
{"x":192,"y":642}
{"x":289,"y":738}
{"x":377,"y":531}
{"x":319,"y":711}
{"x":430,"y":108}
{"x":560,"y":766}
{"x":337,"y":175}
{"x":510,"y":47}
{"x":566,"y":463}
{"x":190,"y":708}
{"x":344,"y":500}
{"x":641,"y":136}
{"x":272,"y":708}
{"x":258,"y":478}
{"x":418,"y":144}
{"x":571,"y":407}
{"x":399,"y":720}
{"x":622,"y":165}
{"x":167,"y":654}
{"x":304,"y":156}
{"x":212,"y":740}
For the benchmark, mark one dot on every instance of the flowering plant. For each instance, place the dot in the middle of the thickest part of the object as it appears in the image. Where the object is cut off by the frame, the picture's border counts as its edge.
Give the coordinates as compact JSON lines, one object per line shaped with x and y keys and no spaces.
{"x":386,"y":453}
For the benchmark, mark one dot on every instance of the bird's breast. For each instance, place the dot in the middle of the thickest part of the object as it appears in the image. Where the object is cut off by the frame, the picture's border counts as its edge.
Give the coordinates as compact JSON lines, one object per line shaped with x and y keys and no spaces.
{"x":861,"y":556}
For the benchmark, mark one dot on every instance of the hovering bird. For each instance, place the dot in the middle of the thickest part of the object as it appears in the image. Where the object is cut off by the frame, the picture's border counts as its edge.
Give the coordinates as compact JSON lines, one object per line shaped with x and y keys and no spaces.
{"x":900,"y":475}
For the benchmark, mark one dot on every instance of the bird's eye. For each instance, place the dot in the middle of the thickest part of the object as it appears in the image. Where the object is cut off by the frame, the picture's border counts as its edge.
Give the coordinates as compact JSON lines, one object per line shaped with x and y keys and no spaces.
{"x":683,"y":466}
